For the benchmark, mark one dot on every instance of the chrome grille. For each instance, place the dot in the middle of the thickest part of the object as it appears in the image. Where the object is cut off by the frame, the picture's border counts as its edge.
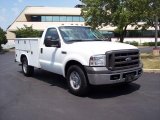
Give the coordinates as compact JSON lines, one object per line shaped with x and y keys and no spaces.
{"x":117,"y":60}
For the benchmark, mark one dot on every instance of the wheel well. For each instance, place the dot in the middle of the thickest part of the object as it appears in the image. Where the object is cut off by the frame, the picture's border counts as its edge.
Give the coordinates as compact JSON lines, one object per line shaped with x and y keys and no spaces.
{"x":70,"y":63}
{"x":23,"y":56}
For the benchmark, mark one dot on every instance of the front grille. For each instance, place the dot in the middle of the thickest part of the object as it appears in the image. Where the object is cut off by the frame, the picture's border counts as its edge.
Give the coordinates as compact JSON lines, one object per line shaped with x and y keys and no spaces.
{"x":117,"y":60}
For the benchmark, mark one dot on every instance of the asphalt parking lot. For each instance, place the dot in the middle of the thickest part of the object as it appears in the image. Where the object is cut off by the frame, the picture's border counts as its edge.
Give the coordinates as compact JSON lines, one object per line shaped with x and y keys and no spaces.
{"x":45,"y":97}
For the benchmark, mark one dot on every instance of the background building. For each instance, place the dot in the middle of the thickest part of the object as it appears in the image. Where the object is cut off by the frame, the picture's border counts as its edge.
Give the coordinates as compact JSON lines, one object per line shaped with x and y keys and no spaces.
{"x":41,"y":17}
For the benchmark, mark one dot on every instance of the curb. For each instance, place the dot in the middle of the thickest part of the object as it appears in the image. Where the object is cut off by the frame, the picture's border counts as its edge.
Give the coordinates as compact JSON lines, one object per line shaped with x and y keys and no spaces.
{"x":12,"y":50}
{"x":152,"y":70}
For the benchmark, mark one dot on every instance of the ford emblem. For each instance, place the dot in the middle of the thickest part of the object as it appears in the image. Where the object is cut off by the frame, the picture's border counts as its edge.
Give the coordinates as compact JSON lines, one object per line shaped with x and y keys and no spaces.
{"x":128,"y":59}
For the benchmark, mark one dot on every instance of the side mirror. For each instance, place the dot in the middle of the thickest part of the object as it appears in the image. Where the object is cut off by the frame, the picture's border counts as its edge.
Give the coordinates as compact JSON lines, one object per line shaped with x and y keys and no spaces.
{"x":52,"y":42}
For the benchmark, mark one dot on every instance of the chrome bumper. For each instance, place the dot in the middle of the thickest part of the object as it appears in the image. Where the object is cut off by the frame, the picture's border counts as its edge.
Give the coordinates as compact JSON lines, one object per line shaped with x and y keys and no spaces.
{"x":102,"y":76}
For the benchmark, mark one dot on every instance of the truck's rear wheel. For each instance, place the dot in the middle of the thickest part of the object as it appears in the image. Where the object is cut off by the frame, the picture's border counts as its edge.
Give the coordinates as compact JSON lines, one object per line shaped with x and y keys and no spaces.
{"x":27,"y":70}
{"x":77,"y":81}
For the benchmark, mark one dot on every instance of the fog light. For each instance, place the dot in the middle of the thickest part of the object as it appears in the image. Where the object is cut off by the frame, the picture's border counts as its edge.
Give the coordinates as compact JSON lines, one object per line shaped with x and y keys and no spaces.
{"x":115,"y":77}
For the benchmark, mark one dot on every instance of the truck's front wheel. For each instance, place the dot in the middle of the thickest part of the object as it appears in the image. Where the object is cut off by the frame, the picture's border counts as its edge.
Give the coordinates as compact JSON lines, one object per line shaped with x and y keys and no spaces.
{"x":77,"y":81}
{"x":27,"y":70}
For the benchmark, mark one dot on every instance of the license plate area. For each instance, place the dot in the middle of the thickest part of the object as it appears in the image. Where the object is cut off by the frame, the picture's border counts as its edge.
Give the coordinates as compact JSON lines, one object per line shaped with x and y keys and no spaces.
{"x":129,"y":76}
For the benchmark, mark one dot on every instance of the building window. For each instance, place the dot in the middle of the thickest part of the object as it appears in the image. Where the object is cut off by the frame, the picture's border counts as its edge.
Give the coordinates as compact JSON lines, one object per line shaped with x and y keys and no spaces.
{"x":76,"y":19}
{"x":55,"y":18}
{"x":134,"y":33}
{"x":140,"y":33}
{"x":36,"y":18}
{"x":48,"y":18}
{"x":69,"y":19}
{"x":63,"y":18}
{"x":43,"y":18}
{"x":81,"y":19}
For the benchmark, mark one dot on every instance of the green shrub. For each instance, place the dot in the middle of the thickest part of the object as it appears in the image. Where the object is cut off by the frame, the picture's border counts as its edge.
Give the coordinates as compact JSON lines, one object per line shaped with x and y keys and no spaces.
{"x":145,"y":44}
{"x":27,"y":32}
{"x":132,"y":43}
{"x":151,"y":44}
{"x":3,"y":39}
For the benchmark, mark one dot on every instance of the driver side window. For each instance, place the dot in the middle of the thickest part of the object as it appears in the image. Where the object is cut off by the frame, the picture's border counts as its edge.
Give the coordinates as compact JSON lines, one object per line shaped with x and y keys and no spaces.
{"x":52,"y":34}
{"x":52,"y":38}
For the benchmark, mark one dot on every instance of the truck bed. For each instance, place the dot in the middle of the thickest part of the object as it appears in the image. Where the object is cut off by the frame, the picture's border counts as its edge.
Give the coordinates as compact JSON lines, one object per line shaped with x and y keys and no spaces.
{"x":29,"y":47}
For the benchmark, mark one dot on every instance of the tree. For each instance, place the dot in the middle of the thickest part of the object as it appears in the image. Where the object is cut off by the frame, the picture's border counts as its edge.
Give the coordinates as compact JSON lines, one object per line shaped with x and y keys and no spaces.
{"x":154,"y":13}
{"x":3,"y":39}
{"x":117,"y":13}
{"x":150,"y":14}
{"x":27,"y":32}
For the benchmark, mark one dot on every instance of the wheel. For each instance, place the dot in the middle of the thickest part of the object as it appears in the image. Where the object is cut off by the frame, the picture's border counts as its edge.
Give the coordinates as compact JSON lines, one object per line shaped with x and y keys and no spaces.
{"x":27,"y":70}
{"x":77,"y":81}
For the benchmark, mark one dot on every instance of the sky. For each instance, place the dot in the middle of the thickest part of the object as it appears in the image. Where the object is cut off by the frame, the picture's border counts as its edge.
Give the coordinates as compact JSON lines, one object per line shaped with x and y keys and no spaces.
{"x":10,"y":9}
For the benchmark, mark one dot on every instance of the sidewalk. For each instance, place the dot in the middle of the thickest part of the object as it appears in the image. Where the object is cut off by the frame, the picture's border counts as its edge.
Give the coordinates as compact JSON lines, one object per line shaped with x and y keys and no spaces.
{"x":151,"y":70}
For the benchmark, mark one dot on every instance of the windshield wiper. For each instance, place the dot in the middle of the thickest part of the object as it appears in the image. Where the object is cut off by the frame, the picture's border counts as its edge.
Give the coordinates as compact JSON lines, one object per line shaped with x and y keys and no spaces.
{"x":98,"y":40}
{"x":75,"y":40}
{"x":84,"y":40}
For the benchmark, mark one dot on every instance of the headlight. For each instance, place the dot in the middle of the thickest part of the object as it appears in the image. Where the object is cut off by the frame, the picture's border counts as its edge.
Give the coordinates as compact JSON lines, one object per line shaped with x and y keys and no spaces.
{"x":97,"y":60}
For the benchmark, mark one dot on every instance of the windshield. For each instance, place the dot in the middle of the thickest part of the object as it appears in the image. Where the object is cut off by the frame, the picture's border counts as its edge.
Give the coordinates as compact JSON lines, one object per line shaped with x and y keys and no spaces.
{"x":79,"y":33}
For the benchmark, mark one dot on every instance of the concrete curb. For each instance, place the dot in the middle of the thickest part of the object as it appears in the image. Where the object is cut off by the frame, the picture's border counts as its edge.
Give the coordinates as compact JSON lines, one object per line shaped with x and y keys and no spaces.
{"x":151,"y":70}
{"x":12,"y":50}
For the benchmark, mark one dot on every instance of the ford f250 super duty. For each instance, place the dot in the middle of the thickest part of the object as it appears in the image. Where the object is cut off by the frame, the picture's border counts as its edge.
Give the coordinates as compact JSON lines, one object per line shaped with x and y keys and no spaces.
{"x":81,"y":55}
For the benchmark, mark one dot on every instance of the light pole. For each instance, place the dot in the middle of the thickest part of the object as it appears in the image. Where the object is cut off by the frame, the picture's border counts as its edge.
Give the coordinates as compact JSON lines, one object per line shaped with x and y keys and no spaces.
{"x":156,"y":51}
{"x":156,"y":31}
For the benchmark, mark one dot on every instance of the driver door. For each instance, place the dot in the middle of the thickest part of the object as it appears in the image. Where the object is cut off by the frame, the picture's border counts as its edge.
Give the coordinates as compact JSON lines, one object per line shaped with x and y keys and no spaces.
{"x":47,"y":58}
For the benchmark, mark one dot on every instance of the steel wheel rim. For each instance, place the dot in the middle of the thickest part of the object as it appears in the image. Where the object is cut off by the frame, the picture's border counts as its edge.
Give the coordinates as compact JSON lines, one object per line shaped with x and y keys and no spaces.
{"x":75,"y":80}
{"x":25,"y":67}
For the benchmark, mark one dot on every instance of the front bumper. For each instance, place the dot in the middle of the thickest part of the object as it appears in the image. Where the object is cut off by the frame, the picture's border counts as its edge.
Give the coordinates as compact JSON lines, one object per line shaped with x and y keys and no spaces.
{"x":102,"y":76}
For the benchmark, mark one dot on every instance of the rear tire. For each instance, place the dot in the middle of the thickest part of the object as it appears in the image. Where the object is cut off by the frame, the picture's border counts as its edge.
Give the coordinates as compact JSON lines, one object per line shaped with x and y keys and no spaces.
{"x":27,"y":70}
{"x":77,"y":81}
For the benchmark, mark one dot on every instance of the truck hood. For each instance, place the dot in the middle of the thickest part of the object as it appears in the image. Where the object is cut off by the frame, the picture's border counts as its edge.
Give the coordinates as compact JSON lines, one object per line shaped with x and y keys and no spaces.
{"x":99,"y":47}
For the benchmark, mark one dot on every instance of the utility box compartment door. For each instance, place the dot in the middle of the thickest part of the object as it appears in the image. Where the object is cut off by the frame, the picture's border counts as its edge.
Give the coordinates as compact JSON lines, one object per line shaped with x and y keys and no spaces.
{"x":30,"y":48}
{"x":22,"y":44}
{"x":34,"y":52}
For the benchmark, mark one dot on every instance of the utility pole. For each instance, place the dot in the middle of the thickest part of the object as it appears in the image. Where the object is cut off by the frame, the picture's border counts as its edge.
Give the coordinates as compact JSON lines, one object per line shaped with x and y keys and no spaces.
{"x":156,"y":31}
{"x":156,"y":51}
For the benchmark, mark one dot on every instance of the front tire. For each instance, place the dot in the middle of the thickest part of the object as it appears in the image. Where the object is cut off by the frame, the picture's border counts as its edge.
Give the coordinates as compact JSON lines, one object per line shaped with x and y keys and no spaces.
{"x":77,"y":81}
{"x":27,"y":70}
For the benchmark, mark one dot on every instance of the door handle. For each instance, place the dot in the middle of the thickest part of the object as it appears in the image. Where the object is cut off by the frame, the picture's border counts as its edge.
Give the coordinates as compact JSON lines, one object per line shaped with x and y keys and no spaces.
{"x":41,"y":50}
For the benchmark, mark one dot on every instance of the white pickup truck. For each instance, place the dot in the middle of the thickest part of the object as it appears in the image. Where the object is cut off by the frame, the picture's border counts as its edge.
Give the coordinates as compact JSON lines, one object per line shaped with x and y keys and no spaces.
{"x":81,"y":55}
